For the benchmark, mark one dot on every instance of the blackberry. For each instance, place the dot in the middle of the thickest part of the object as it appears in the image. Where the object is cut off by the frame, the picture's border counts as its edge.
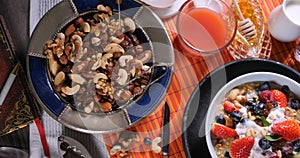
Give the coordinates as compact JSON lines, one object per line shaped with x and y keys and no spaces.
{"x":295,"y":104}
{"x":296,"y":145}
{"x":250,"y":105}
{"x":264,"y":143}
{"x":264,"y":86}
{"x":286,"y":90}
{"x":220,"y":119}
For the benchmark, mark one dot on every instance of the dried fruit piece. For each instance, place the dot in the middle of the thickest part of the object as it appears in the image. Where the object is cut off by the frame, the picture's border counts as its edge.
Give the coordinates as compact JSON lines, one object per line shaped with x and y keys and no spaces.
{"x":222,"y":131}
{"x":288,"y":130}
{"x":280,"y":98}
{"x":241,"y":148}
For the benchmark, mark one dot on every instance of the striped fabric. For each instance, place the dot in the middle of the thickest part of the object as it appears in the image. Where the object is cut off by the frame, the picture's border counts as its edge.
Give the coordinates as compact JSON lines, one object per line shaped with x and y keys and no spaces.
{"x":188,"y":71}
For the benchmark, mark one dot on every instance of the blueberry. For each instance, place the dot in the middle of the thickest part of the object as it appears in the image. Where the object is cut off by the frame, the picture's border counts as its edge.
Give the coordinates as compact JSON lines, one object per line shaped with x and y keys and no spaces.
{"x":295,"y":104}
{"x":236,"y":116}
{"x":264,"y":143}
{"x":259,"y":108}
{"x":265,"y":86}
{"x":220,"y":119}
{"x":147,"y":141}
{"x":227,"y":155}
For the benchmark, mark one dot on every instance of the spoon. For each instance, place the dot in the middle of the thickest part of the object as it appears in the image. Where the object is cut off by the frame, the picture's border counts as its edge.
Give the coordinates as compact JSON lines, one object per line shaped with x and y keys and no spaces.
{"x":246,"y":26}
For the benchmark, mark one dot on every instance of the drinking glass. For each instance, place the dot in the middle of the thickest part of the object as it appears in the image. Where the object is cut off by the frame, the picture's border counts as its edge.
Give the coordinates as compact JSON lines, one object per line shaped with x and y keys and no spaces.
{"x":206,"y":27}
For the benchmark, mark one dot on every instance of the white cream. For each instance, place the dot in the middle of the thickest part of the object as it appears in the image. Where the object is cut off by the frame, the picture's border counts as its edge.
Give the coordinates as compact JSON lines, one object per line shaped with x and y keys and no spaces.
{"x":276,"y":115}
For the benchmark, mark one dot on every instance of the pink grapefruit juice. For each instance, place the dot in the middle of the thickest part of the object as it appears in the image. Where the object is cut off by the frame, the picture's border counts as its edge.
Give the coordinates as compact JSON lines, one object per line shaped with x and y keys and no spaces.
{"x":203,"y":28}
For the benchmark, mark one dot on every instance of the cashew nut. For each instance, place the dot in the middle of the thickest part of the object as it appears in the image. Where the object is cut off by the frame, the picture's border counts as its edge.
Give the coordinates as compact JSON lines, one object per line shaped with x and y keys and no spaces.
{"x":62,"y":37}
{"x":70,"y":90}
{"x":113,"y":47}
{"x":154,"y":146}
{"x":101,"y":8}
{"x":99,"y":76}
{"x":77,"y":41}
{"x":77,"y":78}
{"x":89,"y":108}
{"x":123,"y":76}
{"x":104,"y":60}
{"x":145,"y":56}
{"x":130,"y":23}
{"x":86,"y":27}
{"x":114,"y":39}
{"x":124,"y":59}
{"x":59,"y":78}
{"x":115,"y":149}
{"x":96,"y":41}
{"x":53,"y":66}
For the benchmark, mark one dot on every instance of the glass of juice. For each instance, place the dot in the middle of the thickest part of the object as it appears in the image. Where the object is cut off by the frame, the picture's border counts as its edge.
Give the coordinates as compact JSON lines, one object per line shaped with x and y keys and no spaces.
{"x":207,"y":27}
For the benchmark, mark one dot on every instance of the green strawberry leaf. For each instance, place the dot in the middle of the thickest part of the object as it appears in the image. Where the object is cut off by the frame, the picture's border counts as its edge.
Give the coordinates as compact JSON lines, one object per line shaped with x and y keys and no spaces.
{"x":263,"y":120}
{"x":272,"y":138}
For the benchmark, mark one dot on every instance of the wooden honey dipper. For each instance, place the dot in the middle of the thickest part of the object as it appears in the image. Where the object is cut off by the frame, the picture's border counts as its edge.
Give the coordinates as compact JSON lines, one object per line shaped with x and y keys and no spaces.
{"x":245,"y":26}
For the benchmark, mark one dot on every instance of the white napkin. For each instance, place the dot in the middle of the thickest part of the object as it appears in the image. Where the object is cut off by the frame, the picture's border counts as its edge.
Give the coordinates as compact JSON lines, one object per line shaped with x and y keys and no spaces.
{"x":53,"y":129}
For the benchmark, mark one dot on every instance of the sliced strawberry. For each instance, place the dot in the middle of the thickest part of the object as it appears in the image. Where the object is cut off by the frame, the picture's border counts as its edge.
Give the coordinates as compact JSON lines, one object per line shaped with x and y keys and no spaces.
{"x":222,"y":131}
{"x":280,"y":98}
{"x":288,"y":130}
{"x":241,"y":148}
{"x":229,"y":107}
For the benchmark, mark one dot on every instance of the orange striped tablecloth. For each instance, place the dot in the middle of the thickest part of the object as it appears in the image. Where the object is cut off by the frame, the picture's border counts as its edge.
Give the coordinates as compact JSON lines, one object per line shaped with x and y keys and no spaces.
{"x":188,"y":72}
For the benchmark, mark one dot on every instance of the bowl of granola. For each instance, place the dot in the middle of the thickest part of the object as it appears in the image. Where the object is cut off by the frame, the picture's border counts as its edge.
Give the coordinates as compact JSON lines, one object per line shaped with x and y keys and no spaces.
{"x":255,"y":115}
{"x":97,"y":70}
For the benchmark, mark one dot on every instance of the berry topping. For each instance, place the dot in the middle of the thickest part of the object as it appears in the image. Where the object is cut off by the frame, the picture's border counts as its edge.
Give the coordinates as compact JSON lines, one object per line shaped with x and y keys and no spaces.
{"x":264,"y":143}
{"x":222,"y":131}
{"x":266,"y":96}
{"x":280,"y":98}
{"x":220,"y":119}
{"x":236,"y":116}
{"x":288,"y":130}
{"x":229,"y":107}
{"x":286,"y":90}
{"x":241,"y":148}
{"x":295,"y":104}
{"x":265,"y":86}
{"x":259,"y":108}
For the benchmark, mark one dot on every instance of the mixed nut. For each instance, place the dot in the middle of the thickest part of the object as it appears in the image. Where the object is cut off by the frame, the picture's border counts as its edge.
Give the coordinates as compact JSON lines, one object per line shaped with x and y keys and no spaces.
{"x":98,"y":63}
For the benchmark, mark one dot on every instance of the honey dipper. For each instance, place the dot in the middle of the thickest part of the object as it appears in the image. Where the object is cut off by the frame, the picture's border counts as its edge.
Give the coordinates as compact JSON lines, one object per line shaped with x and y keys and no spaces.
{"x":245,"y":26}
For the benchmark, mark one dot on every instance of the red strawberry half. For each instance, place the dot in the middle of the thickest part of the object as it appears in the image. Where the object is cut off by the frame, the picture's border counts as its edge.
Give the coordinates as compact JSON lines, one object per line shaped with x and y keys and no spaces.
{"x":288,"y":130}
{"x":280,"y":98}
{"x":222,"y":131}
{"x":229,"y":107}
{"x":241,"y":148}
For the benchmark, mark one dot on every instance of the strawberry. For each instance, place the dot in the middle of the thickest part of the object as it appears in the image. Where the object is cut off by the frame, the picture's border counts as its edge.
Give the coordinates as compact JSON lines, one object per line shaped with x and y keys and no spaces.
{"x":241,"y":148}
{"x":222,"y":131}
{"x":279,"y":97}
{"x":229,"y":107}
{"x":288,"y":130}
